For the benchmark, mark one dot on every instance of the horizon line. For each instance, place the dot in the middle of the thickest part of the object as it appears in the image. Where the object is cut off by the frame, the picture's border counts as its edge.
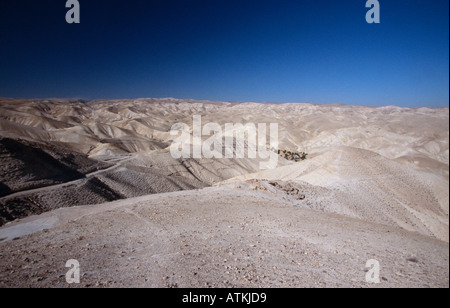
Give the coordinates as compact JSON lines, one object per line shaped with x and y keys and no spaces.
{"x":215,"y":101}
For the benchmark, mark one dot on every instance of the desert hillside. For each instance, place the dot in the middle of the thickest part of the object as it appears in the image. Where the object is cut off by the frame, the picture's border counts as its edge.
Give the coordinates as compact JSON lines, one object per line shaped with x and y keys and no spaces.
{"x":374,"y":185}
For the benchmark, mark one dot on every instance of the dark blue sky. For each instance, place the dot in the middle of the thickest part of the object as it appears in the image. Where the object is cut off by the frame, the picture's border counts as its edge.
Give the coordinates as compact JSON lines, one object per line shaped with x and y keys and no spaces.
{"x":269,"y":51}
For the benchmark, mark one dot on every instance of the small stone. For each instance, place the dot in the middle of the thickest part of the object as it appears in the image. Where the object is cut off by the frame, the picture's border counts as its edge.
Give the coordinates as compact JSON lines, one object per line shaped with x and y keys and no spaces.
{"x":413,"y":260}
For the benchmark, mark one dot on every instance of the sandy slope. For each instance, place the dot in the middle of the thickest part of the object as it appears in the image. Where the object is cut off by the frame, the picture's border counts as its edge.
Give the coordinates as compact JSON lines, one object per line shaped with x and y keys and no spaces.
{"x":365,"y":185}
{"x":243,"y":235}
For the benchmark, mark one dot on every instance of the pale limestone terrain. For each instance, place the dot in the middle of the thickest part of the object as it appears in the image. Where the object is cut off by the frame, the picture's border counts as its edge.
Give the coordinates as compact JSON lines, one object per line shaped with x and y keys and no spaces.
{"x":374,"y":186}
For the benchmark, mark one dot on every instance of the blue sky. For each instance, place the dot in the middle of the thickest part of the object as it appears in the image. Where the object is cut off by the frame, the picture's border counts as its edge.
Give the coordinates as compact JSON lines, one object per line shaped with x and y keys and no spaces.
{"x":267,"y":51}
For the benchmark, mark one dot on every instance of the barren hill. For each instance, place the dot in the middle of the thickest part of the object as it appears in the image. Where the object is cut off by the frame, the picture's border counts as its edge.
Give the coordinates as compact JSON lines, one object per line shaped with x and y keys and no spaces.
{"x":374,"y":186}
